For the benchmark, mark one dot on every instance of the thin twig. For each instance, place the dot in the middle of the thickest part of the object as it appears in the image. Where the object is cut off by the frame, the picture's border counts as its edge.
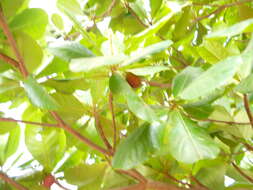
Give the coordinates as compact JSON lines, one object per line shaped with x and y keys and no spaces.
{"x":175,"y":179}
{"x":9,"y":60}
{"x":6,"y":30}
{"x":247,"y":108}
{"x":60,"y":185}
{"x":157,"y":84}
{"x":28,"y":122}
{"x":221,"y":8}
{"x":135,"y":15}
{"x":107,"y":12}
{"x":134,"y":174}
{"x":78,"y":135}
{"x":219,"y":121}
{"x":10,"y":181}
{"x":199,"y":183}
{"x":138,"y":186}
{"x":113,"y":120}
{"x":242,"y":173}
{"x":100,"y":130}
{"x":248,"y":146}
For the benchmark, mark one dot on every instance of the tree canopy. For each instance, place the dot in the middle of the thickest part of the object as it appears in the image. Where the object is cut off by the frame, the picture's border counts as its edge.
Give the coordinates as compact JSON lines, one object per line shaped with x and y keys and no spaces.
{"x":127,"y":95}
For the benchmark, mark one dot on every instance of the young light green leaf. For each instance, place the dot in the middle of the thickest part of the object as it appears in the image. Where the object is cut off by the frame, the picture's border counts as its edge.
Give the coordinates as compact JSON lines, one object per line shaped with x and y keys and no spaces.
{"x":32,"y":21}
{"x":57,"y":20}
{"x":143,"y":53}
{"x":184,"y":78}
{"x":186,"y":138}
{"x":69,"y":50}
{"x":246,"y":85}
{"x":88,"y":64}
{"x":216,"y":76}
{"x":38,"y":95}
{"x":238,"y":28}
{"x":119,"y":86}
{"x":137,"y":147}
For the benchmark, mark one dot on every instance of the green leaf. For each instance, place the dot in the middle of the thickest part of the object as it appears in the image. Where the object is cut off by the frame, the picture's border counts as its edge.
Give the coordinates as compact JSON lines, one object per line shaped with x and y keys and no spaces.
{"x":32,"y":21}
{"x":86,"y":177}
{"x":72,"y":6}
{"x":143,"y":53}
{"x":6,"y":127}
{"x":184,"y":78}
{"x":216,"y":76}
{"x":119,"y":86}
{"x":186,"y":138}
{"x":9,"y":144}
{"x":155,"y":6}
{"x":10,"y":8}
{"x":149,"y":70}
{"x":246,"y":85}
{"x":38,"y":95}
{"x":69,"y":50}
{"x":238,"y":28}
{"x":57,"y":20}
{"x":30,"y":50}
{"x":88,"y":64}
{"x":212,"y":174}
{"x":137,"y":147}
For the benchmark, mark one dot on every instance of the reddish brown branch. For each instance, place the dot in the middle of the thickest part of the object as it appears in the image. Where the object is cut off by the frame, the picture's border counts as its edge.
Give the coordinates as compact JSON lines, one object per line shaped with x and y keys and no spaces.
{"x":242,"y":173}
{"x":158,"y":84}
{"x":134,"y":174}
{"x":135,"y":15}
{"x":113,"y":120}
{"x":6,"y":30}
{"x":249,"y":147}
{"x":10,"y":181}
{"x":28,"y":122}
{"x":9,"y":60}
{"x":139,"y":186}
{"x":175,"y":179}
{"x":78,"y":135}
{"x":220,"y":121}
{"x":202,"y":186}
{"x":247,"y":108}
{"x":107,"y":12}
{"x":101,"y":131}
{"x":221,"y":8}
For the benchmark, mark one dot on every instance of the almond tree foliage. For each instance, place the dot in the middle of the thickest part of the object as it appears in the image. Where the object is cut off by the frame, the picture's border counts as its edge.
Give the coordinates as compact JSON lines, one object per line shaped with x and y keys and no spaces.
{"x":135,"y":95}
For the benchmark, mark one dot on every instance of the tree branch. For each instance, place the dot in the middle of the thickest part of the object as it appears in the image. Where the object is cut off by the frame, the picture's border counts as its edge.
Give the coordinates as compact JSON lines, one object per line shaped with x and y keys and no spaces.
{"x":113,"y":121}
{"x":221,"y":8}
{"x":219,"y":121}
{"x":107,"y":12}
{"x":6,"y":30}
{"x":247,"y":108}
{"x":78,"y":135}
{"x":175,"y":179}
{"x":242,"y":173}
{"x":101,"y":131}
{"x":9,"y":60}
{"x":28,"y":122}
{"x":199,"y":183}
{"x":134,"y":174}
{"x":138,"y":186}
{"x":157,"y":84}
{"x":135,"y":15}
{"x":10,"y":181}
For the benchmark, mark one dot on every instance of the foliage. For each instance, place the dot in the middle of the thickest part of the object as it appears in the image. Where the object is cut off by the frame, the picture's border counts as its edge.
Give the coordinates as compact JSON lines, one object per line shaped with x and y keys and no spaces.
{"x":127,"y":94}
